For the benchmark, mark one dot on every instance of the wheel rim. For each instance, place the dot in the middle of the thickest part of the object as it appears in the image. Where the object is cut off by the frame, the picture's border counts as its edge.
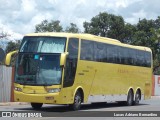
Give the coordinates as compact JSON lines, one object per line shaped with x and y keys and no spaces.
{"x":130,"y":99}
{"x":137,"y":98}
{"x":77,"y":101}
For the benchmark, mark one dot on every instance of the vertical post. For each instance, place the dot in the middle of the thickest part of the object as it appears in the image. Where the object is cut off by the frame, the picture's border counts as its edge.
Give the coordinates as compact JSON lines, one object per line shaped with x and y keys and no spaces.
{"x":153,"y":85}
{"x":12,"y":85}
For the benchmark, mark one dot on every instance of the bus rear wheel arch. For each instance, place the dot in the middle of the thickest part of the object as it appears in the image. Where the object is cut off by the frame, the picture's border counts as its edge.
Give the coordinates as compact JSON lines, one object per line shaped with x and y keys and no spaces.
{"x":36,"y":106}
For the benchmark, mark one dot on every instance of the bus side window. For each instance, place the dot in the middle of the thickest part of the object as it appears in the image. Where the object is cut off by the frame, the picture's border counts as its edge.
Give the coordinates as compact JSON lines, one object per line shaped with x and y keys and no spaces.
{"x":140,"y":58}
{"x":109,"y":54}
{"x":115,"y":54}
{"x":112,"y":54}
{"x":71,"y":62}
{"x":148,"y":59}
{"x":99,"y":52}
{"x":118,"y":55}
{"x":86,"y":50}
{"x":131,"y":56}
{"x":134,"y":57}
{"x":124,"y":58}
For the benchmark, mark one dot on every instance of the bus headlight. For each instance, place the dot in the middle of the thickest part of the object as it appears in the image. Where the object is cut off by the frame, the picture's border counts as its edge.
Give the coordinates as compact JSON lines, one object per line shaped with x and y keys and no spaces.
{"x":53,"y":90}
{"x":18,"y":89}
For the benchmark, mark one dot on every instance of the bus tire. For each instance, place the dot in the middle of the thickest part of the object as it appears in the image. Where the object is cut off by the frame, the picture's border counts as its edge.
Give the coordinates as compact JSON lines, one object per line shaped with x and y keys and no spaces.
{"x":130,"y":98}
{"x":137,"y":98}
{"x":77,"y":101}
{"x":36,"y":106}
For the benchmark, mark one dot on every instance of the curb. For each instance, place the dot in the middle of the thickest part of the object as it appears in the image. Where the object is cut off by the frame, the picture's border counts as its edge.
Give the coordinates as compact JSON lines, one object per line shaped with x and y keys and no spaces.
{"x":155,"y":97}
{"x":12,"y":103}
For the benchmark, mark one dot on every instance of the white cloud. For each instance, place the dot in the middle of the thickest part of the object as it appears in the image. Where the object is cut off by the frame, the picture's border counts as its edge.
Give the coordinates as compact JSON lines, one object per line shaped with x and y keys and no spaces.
{"x":136,"y":16}
{"x":28,"y":5}
{"x":21,"y":16}
{"x":11,"y":34}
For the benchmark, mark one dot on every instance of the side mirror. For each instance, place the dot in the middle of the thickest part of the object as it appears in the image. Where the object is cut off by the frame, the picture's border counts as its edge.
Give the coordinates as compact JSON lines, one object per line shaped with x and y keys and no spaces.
{"x":63,"y":58}
{"x":9,"y":56}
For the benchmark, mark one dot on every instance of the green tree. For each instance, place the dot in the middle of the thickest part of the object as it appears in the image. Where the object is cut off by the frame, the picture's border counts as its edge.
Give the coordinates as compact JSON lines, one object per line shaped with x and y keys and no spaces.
{"x":11,"y":46}
{"x":129,"y":31}
{"x":147,"y":34}
{"x":99,"y":25}
{"x":156,"y":52}
{"x":106,"y":25}
{"x":52,"y":26}
{"x":72,"y":28}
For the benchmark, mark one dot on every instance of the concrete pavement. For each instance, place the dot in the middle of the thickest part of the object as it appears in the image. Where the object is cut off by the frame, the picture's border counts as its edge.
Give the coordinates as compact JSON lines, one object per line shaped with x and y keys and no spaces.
{"x":12,"y":103}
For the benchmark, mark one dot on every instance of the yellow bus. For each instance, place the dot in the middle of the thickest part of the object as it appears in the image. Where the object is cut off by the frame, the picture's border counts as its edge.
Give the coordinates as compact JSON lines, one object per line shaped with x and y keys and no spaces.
{"x":67,"y":68}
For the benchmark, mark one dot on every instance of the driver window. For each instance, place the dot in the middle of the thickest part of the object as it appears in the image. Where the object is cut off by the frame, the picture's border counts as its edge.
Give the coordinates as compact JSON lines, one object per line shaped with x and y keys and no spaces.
{"x":71,"y":62}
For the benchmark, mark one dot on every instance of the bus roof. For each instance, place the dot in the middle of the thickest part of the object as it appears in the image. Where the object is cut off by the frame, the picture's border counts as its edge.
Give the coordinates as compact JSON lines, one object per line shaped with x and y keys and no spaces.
{"x":90,"y":37}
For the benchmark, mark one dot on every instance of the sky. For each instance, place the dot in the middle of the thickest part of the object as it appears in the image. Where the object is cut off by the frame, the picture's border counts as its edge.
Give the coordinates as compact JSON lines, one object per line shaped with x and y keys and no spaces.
{"x":19,"y":17}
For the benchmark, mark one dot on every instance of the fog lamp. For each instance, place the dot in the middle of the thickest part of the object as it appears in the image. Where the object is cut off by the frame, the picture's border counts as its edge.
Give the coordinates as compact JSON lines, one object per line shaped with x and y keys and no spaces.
{"x":18,"y":89}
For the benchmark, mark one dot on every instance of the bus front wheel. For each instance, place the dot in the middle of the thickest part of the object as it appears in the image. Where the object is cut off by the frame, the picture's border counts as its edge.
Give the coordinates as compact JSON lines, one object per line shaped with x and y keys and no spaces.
{"x":77,"y":101}
{"x":36,"y":105}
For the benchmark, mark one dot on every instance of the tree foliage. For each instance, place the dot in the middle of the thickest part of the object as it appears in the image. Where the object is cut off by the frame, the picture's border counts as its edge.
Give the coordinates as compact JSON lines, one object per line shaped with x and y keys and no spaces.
{"x":3,"y":34}
{"x":11,"y":46}
{"x":107,"y":25}
{"x":72,"y":28}
{"x":52,"y":26}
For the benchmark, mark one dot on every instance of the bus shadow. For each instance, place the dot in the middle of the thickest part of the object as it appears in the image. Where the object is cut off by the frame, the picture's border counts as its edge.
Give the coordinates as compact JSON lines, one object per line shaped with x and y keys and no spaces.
{"x":84,"y":107}
{"x":105,"y":105}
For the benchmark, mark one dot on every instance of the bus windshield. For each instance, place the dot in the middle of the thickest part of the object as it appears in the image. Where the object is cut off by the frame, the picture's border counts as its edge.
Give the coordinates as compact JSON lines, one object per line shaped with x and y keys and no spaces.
{"x":43,"y":44}
{"x":38,"y":69}
{"x":39,"y":61}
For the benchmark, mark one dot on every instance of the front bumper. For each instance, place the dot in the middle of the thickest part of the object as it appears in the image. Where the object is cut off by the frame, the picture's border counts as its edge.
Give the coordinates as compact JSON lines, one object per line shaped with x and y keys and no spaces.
{"x":50,"y":98}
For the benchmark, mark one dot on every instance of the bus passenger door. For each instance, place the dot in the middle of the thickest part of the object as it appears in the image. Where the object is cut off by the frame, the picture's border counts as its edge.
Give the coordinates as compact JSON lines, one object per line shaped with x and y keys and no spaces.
{"x":70,"y":68}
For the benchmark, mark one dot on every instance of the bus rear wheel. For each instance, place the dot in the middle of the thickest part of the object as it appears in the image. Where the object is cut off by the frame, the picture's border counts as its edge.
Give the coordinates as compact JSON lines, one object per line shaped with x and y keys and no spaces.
{"x":130,"y":98}
{"x":36,"y":106}
{"x":77,"y":101}
{"x":137,"y":98}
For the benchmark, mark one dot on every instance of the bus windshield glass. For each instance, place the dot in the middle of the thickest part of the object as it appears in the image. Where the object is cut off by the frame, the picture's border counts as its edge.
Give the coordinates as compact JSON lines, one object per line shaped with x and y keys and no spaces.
{"x":39,"y":61}
{"x":38,"y":69}
{"x":43,"y":44}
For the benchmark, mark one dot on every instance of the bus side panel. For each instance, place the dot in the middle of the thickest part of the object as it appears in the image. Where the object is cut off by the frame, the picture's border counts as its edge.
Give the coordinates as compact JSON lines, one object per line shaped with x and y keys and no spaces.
{"x":84,"y":77}
{"x":105,"y":79}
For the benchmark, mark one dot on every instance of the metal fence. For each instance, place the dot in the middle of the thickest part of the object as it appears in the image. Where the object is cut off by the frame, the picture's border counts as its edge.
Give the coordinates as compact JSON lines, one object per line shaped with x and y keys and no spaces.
{"x":5,"y":83}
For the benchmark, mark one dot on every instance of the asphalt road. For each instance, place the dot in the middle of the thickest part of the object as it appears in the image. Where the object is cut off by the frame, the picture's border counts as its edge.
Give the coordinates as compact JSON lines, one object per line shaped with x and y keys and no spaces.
{"x":96,"y":111}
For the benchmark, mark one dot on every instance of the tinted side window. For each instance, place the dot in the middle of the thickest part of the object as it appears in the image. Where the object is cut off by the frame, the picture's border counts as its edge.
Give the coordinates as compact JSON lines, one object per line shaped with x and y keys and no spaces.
{"x":112,"y":54}
{"x":71,"y":62}
{"x":132,"y":57}
{"x":100,"y":52}
{"x":140,"y":58}
{"x":87,"y":50}
{"x":148,"y":59}
{"x":124,"y":56}
{"x":119,"y":58}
